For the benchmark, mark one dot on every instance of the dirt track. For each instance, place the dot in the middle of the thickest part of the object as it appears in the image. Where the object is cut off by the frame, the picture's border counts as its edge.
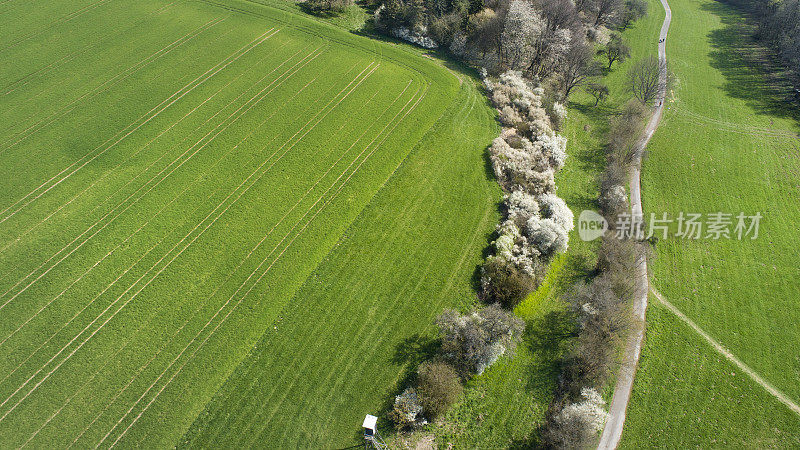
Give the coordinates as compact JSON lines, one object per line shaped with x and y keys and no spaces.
{"x":622,"y":391}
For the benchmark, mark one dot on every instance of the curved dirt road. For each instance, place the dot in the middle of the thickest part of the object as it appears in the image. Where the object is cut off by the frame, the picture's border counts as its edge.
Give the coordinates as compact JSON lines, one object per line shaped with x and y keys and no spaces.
{"x":622,"y":391}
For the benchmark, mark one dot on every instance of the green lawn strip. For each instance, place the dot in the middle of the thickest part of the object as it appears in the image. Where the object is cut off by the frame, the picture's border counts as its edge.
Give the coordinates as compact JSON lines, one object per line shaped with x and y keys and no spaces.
{"x":724,"y":145}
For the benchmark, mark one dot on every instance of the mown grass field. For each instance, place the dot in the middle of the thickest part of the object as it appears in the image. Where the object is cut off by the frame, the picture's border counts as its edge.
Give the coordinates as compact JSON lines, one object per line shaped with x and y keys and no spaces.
{"x":728,"y":142}
{"x":174,"y":173}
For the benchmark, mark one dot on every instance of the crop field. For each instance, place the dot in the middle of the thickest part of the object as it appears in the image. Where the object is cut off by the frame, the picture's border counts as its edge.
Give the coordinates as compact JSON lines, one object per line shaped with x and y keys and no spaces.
{"x":728,"y":143}
{"x":196,"y":190}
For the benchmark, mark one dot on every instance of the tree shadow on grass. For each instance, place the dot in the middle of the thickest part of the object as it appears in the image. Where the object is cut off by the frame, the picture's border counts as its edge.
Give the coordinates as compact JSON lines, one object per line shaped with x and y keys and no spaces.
{"x":547,"y":338}
{"x":408,"y":354}
{"x":592,"y":157}
{"x":752,"y":72}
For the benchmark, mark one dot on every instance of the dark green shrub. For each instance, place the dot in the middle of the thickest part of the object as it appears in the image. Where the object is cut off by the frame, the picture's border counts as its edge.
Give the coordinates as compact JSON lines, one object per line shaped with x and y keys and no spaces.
{"x":439,"y":385}
{"x":503,"y":283}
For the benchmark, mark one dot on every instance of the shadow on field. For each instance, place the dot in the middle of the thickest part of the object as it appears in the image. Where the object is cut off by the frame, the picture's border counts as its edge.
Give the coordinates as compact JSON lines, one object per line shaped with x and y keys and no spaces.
{"x":593,"y":157}
{"x":408,"y":355}
{"x":752,"y":72}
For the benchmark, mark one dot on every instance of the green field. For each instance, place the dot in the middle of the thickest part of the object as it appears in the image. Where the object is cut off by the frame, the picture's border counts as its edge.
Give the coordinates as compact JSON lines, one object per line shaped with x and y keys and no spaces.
{"x":201,"y":190}
{"x":728,"y":142}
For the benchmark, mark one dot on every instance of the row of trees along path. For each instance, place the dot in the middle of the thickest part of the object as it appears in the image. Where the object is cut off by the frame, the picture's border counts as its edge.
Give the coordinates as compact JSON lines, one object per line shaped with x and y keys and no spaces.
{"x":622,"y":391}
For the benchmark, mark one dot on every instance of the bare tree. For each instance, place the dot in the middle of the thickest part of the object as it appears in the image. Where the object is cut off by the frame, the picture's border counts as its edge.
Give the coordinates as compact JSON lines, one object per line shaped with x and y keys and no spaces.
{"x":577,"y":67}
{"x":561,"y":26}
{"x":606,"y":11}
{"x":633,"y":11}
{"x":485,"y":29}
{"x":616,"y":50}
{"x":645,"y":79}
{"x":598,"y":91}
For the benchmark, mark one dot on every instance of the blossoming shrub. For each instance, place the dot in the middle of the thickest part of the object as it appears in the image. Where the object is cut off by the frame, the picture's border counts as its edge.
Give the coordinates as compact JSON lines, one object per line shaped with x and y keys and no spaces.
{"x":473,"y":342}
{"x":525,"y":158}
{"x":407,"y":410}
{"x":578,"y":424}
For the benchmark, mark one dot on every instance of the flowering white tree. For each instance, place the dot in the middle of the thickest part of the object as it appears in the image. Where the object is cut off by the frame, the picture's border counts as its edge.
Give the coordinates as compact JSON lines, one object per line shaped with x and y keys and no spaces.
{"x":579,"y":423}
{"x":521,"y":206}
{"x":554,"y":207}
{"x":473,"y":342}
{"x":523,"y":25}
{"x":407,"y":408}
{"x":547,"y":236}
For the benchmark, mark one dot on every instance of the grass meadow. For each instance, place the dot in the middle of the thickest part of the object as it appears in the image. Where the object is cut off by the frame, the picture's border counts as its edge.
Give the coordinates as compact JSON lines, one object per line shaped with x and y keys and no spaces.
{"x":729,"y":143}
{"x":186,"y":180}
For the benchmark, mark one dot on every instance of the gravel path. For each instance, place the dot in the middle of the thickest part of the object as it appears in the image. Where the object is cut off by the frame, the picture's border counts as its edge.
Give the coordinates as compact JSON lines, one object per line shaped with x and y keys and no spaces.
{"x":622,"y":391}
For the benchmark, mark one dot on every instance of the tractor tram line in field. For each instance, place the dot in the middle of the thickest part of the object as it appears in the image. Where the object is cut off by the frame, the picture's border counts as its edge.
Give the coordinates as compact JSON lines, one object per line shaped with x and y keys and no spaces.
{"x":140,"y":228}
{"x":209,"y":197}
{"x":418,"y":99}
{"x":243,"y":296}
{"x":332,"y":166}
{"x":35,"y":127}
{"x":136,"y":333}
{"x":25,"y":80}
{"x":107,"y":330}
{"x":106,"y":86}
{"x":169,"y":101}
{"x":161,"y":270}
{"x":120,"y":204}
{"x":172,"y":337}
{"x":133,"y":155}
{"x":274,"y":260}
{"x":215,"y":219}
{"x":62,"y":19}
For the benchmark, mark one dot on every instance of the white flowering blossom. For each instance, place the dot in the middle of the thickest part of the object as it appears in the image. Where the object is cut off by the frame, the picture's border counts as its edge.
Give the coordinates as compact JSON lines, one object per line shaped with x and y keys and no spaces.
{"x":524,"y":158}
{"x":493,"y":353}
{"x":407,"y":407}
{"x":615,"y":198}
{"x":521,"y":206}
{"x":553,"y":149}
{"x":559,"y":115}
{"x":582,"y":420}
{"x":512,"y":247}
{"x":547,"y":236}
{"x":525,"y":167}
{"x":589,"y":309}
{"x":523,"y":24}
{"x":415,"y":37}
{"x":553,"y":207}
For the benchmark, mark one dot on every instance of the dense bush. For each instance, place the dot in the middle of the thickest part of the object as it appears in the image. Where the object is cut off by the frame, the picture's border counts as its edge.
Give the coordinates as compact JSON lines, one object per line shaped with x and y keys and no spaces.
{"x":602,"y":311}
{"x":520,"y":206}
{"x":525,"y":158}
{"x":473,"y":342}
{"x":439,"y":385}
{"x":326,"y":6}
{"x":547,"y":236}
{"x":577,"y":425}
{"x":504,"y":283}
{"x":779,"y":27}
